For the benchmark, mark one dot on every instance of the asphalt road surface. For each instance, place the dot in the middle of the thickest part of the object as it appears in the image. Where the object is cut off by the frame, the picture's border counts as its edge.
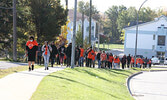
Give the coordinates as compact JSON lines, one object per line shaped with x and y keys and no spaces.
{"x":149,"y":86}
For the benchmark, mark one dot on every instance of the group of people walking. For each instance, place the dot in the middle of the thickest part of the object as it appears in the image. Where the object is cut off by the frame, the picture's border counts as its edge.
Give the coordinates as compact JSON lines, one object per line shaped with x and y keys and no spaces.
{"x":89,"y":57}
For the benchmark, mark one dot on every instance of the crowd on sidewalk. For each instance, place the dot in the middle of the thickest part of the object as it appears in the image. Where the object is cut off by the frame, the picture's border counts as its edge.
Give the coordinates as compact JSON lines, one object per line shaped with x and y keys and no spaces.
{"x":88,"y":58}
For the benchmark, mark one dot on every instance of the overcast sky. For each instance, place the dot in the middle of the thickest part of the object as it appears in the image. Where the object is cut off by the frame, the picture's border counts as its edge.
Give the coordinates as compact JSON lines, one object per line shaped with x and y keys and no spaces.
{"x":103,"y":5}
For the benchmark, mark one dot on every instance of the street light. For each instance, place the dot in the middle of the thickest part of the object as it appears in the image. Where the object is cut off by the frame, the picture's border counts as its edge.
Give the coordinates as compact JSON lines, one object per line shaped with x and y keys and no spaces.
{"x":137,"y":28}
{"x":74,"y":37}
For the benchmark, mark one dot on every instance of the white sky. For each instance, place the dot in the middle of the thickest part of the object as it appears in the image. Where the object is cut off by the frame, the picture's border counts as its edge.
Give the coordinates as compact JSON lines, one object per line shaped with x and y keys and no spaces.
{"x":103,"y":5}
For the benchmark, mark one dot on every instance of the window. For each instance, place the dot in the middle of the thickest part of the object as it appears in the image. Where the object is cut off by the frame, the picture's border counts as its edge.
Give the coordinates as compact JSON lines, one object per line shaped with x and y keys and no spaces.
{"x":154,"y":37}
{"x":153,"y":47}
{"x":161,"y":40}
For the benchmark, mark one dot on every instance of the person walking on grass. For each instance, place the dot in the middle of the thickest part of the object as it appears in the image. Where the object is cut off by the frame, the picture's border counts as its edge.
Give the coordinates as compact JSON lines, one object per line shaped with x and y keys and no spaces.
{"x":103,"y":57}
{"x":89,"y":57}
{"x":128,"y":60}
{"x":123,"y":61}
{"x":31,"y":52}
{"x":62,"y":51}
{"x":93,"y":58}
{"x":81,"y":59}
{"x":53,"y":53}
{"x":116,"y":62}
{"x":47,"y":49}
{"x":68,"y":54}
{"x":110,"y":60}
{"x":98,"y":59}
{"x":39,"y":54}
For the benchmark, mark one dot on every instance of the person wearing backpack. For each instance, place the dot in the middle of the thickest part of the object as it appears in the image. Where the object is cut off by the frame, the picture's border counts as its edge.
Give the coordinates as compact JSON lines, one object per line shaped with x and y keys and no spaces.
{"x":47,"y":49}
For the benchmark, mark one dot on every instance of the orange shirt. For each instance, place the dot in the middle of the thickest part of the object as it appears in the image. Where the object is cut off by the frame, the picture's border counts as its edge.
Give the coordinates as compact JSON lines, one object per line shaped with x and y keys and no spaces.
{"x":82,"y":52}
{"x":116,"y":60}
{"x":132,"y":60}
{"x":103,"y":57}
{"x":89,"y":54}
{"x":93,"y":55}
{"x":110,"y":58}
{"x":31,"y":44}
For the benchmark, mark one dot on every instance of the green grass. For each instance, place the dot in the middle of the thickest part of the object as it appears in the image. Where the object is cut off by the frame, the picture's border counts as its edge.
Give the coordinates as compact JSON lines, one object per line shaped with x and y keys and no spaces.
{"x":111,"y":46}
{"x":5,"y":72}
{"x":85,"y":84}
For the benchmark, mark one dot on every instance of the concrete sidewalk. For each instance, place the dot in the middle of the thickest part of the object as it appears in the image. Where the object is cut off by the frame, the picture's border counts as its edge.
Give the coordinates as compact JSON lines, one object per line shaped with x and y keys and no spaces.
{"x":149,"y":86}
{"x":21,"y":85}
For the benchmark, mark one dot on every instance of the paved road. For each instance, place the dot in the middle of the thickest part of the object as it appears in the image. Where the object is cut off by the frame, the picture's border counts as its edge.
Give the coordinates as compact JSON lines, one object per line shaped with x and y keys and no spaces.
{"x":21,"y":85}
{"x":7,"y":64}
{"x":119,"y":52}
{"x":149,"y":86}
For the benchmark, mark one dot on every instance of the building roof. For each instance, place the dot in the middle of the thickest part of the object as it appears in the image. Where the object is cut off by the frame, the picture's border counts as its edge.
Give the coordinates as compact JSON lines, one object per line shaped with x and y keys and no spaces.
{"x":144,"y":23}
{"x":79,"y":15}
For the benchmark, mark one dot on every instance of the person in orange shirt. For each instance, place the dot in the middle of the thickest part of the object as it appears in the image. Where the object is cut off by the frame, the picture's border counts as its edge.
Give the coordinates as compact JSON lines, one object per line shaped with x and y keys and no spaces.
{"x":132,"y":61}
{"x":31,"y":52}
{"x":89,"y":57}
{"x":81,"y":59}
{"x":110,"y":60}
{"x":116,"y":61}
{"x":138,"y":62}
{"x":93,"y":58}
{"x":103,"y":57}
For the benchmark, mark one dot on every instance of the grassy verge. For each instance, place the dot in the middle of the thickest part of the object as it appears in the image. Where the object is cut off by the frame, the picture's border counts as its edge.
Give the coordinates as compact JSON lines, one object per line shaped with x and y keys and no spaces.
{"x":5,"y":72}
{"x":85,"y":84}
{"x":111,"y":46}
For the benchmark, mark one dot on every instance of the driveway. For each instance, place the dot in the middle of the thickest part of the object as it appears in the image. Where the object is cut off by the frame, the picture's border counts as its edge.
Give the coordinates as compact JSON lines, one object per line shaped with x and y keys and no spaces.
{"x":7,"y":64}
{"x":149,"y":86}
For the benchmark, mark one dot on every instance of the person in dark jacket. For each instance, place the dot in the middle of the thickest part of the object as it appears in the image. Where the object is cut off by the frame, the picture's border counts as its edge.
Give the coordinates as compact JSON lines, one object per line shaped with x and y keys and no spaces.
{"x":128,"y":60}
{"x":77,"y":55}
{"x":62,"y":51}
{"x":53,"y":53}
{"x":146,"y":61}
{"x":39,"y":54}
{"x":98,"y":59}
{"x":123,"y":61}
{"x":31,"y":52}
{"x":68,"y":54}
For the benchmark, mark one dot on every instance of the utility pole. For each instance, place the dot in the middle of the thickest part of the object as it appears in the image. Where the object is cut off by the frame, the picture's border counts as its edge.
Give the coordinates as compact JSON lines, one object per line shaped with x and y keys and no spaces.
{"x":14,"y":32}
{"x":74,"y":37}
{"x":137,"y":27}
{"x":90,"y":21}
{"x":83,"y":27}
{"x":98,"y":36}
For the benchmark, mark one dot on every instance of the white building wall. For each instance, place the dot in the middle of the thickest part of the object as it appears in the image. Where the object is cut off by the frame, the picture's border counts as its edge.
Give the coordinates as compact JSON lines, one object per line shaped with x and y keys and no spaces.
{"x":144,"y":41}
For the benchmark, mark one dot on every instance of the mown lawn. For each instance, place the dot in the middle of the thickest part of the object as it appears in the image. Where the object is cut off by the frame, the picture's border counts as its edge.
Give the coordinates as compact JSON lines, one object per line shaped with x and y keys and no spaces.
{"x":111,"y":46}
{"x":5,"y":72}
{"x":84,"y":84}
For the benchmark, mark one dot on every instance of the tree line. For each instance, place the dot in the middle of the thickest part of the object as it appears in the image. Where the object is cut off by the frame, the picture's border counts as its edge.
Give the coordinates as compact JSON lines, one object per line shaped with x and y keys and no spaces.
{"x":40,"y":18}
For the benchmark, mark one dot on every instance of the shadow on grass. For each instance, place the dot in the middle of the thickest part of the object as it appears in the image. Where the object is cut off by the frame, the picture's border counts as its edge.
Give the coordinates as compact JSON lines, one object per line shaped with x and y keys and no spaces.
{"x":63,"y":78}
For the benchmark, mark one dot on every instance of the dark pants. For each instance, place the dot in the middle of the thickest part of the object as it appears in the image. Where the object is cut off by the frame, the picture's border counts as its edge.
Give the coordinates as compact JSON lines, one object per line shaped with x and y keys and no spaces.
{"x":89,"y":62}
{"x":128,"y":64}
{"x":123,"y":65}
{"x":145,"y":65}
{"x":58,"y":61}
{"x":68,"y":61}
{"x":39,"y":60}
{"x":52,"y":61}
{"x":110,"y":65}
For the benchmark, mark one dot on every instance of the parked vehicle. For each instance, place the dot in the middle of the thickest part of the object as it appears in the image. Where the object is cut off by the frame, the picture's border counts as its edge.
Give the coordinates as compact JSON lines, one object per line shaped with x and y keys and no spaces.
{"x":165,"y":61}
{"x":155,"y":61}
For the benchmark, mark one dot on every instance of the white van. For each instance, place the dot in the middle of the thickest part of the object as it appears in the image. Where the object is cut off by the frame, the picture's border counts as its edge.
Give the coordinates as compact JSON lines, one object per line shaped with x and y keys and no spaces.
{"x":165,"y":61}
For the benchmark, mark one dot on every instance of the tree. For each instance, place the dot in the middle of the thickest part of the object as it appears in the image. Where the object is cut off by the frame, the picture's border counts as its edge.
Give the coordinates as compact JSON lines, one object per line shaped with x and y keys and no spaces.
{"x":48,"y":16}
{"x":83,"y":7}
{"x":79,"y":40}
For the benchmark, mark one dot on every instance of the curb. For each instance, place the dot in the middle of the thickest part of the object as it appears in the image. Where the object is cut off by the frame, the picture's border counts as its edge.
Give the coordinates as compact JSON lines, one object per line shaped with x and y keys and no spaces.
{"x":133,"y":75}
{"x":128,"y":81}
